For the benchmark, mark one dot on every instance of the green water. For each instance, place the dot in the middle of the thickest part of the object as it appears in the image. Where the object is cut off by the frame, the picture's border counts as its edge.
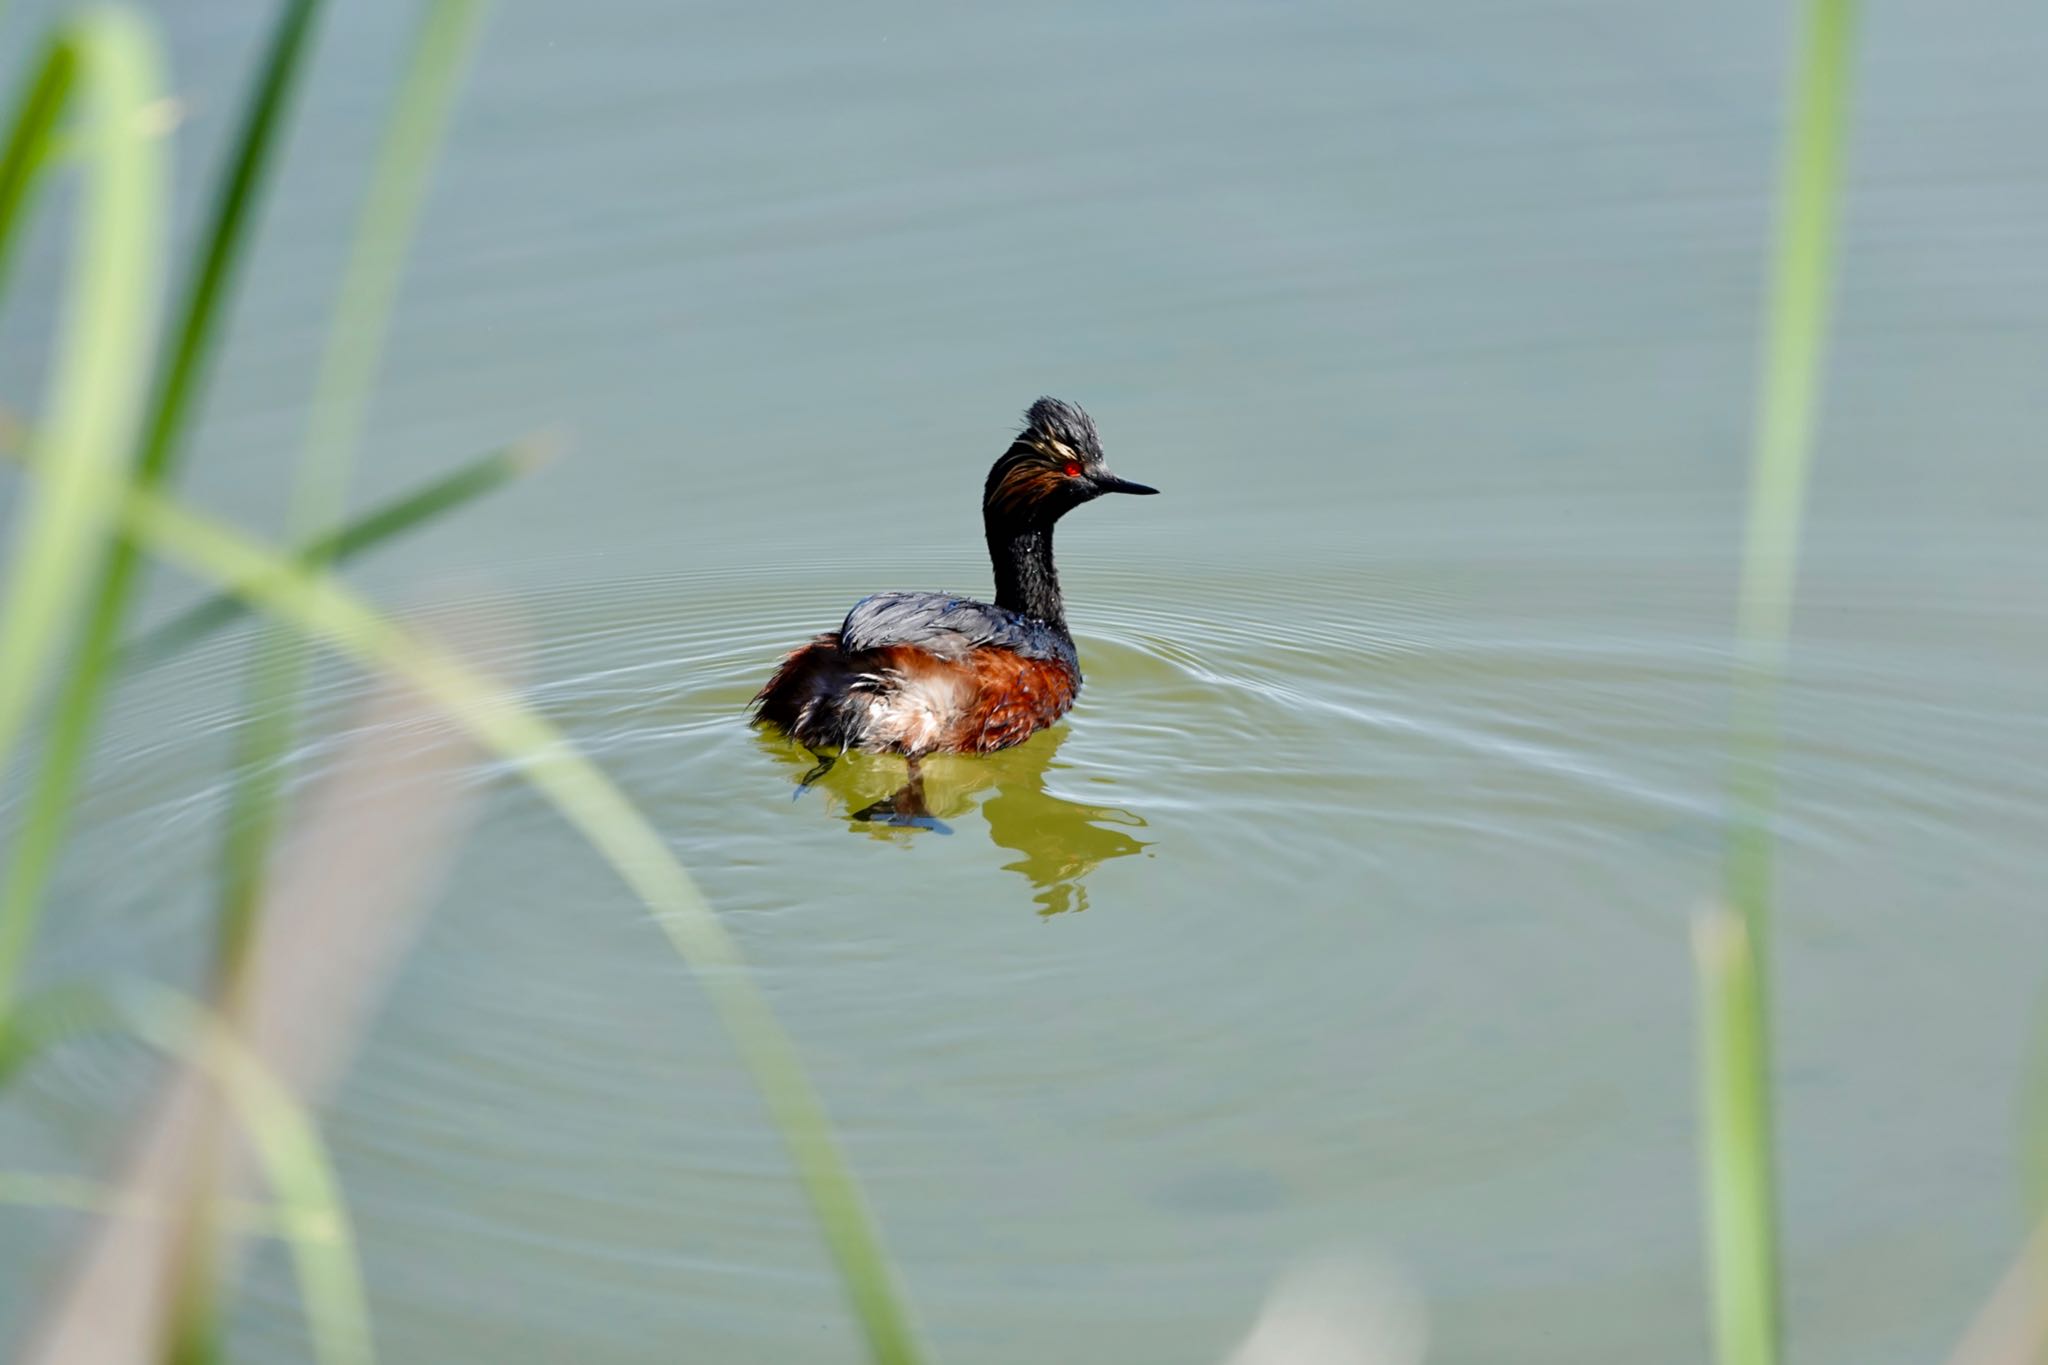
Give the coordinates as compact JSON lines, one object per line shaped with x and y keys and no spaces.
{"x":1349,"y":908}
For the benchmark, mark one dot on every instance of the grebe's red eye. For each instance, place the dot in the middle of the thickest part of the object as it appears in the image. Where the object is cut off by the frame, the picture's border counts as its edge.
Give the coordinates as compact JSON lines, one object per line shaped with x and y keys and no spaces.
{"x":1073,"y":469}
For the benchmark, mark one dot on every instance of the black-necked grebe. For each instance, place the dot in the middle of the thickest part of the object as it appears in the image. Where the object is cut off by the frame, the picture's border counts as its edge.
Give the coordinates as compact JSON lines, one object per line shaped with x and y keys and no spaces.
{"x":928,"y":672}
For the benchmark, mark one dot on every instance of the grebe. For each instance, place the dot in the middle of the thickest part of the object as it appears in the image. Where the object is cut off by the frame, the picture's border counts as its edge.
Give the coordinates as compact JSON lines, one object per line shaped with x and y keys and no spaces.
{"x":927,"y":672}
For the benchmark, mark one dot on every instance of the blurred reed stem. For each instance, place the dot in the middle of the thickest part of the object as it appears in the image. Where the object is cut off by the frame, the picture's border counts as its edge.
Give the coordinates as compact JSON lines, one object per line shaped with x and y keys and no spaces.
{"x":104,"y":66}
{"x":316,"y":603}
{"x":182,"y":373}
{"x":31,"y":133}
{"x":341,"y":396}
{"x":1789,"y":386}
{"x":309,"y":1212}
{"x":387,"y":520}
{"x":55,"y":1190}
{"x":99,"y":382}
{"x":1735,"y":1121}
{"x":1740,"y":1193}
{"x":392,"y":518}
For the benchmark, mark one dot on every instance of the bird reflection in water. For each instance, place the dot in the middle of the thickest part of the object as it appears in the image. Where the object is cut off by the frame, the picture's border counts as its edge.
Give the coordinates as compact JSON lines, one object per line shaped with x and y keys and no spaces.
{"x":1058,"y":842}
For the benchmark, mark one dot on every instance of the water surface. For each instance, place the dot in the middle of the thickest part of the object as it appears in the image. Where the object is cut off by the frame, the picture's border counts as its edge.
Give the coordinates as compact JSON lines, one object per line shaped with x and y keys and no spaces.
{"x":1350,"y":906}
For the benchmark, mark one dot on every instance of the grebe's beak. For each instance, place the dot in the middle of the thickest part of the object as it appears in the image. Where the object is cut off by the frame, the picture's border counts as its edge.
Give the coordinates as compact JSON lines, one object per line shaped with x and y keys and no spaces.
{"x":1106,"y":482}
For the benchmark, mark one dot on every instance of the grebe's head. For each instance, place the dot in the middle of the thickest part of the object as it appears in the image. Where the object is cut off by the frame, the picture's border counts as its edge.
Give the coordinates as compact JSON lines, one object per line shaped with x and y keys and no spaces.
{"x":1053,"y":466}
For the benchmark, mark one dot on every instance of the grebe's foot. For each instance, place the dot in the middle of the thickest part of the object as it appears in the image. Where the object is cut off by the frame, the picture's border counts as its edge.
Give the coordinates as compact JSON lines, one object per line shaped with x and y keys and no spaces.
{"x":905,"y":809}
{"x":810,"y":779}
{"x":888,"y":811}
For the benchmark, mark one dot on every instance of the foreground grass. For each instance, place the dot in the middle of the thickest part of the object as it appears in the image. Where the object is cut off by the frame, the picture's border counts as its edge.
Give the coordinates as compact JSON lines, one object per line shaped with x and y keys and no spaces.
{"x":320,"y":605}
{"x":341,"y":398}
{"x":107,"y":441}
{"x":1732,"y":943}
{"x":102,"y":69}
{"x":308,"y":1212}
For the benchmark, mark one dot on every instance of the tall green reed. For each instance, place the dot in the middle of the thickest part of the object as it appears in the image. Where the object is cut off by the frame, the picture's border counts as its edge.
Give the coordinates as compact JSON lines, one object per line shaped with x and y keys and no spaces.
{"x":78,"y":1194}
{"x":307,"y":1208}
{"x":388,"y":520}
{"x":31,"y":136}
{"x":103,"y":66}
{"x":341,"y":391}
{"x":391,"y":800}
{"x":77,"y":465}
{"x":318,"y":604}
{"x":157,"y":450}
{"x":341,"y":395}
{"x":1732,"y":943}
{"x":422,"y":506}
{"x":1789,"y":386}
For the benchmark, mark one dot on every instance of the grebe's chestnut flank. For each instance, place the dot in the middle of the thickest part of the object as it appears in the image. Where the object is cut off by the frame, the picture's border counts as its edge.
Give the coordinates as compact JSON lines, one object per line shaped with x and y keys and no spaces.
{"x":928,"y":672}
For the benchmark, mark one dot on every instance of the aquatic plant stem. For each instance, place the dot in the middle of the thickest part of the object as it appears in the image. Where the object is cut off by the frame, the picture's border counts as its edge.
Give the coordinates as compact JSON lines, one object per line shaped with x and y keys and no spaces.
{"x":310,"y":1214}
{"x":104,"y":63}
{"x":30,"y":135}
{"x":388,"y":520}
{"x":1736,"y":1153}
{"x":179,"y":379}
{"x":341,"y":393}
{"x":405,"y":512}
{"x":1733,"y":945}
{"x":1789,"y":385}
{"x":316,"y":603}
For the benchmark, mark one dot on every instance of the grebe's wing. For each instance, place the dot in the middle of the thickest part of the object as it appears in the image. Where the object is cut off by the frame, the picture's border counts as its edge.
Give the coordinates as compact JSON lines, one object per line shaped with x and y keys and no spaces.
{"x":944,"y":624}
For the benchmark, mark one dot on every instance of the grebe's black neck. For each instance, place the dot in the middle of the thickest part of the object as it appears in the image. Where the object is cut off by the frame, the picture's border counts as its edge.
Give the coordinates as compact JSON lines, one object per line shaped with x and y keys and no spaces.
{"x":1026,"y":581}
{"x":1053,"y":466}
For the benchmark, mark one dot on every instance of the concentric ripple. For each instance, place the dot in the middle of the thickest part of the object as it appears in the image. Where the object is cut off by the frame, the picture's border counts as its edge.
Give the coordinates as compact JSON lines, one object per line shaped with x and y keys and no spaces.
{"x":1325,"y":826}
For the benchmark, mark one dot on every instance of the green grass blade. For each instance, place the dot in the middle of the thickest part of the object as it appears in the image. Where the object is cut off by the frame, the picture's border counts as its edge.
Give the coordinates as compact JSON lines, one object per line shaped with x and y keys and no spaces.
{"x":30,"y":136}
{"x":369,"y":288}
{"x":171,"y":403}
{"x":52,"y":1190}
{"x":1802,"y":283}
{"x":96,"y":388}
{"x":386,"y":521}
{"x":316,"y":603}
{"x":226,"y":240}
{"x":1735,"y":1107}
{"x":369,"y":284}
{"x":1740,"y":1180}
{"x":312,"y":1217}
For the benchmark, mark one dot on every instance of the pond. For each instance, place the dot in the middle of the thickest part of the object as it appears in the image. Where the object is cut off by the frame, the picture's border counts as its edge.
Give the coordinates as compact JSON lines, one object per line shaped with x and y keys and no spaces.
{"x":1349,"y":910}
